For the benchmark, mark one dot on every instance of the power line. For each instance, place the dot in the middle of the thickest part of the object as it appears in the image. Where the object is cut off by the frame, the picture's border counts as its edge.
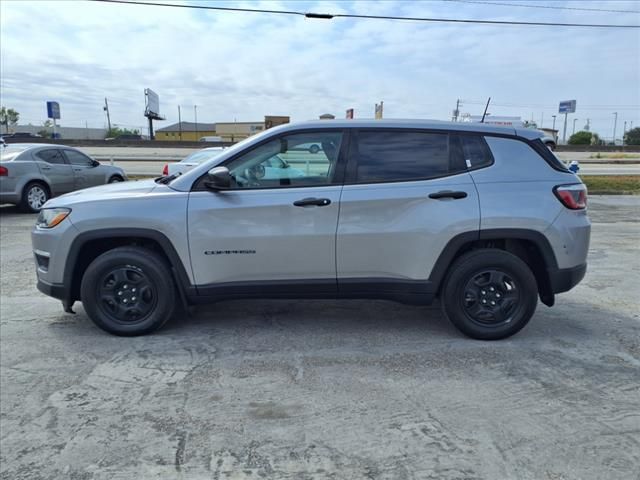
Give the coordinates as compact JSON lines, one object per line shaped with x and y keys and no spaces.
{"x":329,"y":16}
{"x":552,"y":7}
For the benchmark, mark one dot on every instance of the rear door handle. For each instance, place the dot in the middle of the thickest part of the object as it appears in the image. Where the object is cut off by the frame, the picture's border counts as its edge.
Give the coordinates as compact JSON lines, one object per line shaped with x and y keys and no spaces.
{"x":448,"y":194}
{"x":45,"y":168}
{"x":312,"y":202}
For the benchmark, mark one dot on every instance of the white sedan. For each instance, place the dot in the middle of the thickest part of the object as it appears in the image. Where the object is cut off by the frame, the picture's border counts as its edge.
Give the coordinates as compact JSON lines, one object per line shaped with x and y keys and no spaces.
{"x":192,"y":160}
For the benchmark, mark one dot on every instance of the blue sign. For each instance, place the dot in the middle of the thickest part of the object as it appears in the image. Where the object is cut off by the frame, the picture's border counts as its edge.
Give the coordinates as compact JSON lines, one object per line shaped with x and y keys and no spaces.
{"x":53,"y":110}
{"x":567,"y":106}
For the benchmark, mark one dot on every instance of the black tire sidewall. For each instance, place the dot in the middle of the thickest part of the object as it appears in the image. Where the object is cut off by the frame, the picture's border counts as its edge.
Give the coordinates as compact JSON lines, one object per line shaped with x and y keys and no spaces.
{"x":153,"y":266}
{"x":468,"y":266}
{"x":25,"y":196}
{"x":115,"y":179}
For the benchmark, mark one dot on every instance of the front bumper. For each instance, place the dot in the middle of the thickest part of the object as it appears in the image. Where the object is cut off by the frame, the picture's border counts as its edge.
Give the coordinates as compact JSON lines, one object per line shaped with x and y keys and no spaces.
{"x":53,"y":290}
{"x":564,"y":279}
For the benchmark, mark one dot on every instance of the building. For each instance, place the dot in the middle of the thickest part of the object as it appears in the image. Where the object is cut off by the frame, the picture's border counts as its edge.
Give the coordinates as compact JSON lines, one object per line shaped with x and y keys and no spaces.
{"x":236,"y":131}
{"x":186,"y":131}
{"x":327,"y":116}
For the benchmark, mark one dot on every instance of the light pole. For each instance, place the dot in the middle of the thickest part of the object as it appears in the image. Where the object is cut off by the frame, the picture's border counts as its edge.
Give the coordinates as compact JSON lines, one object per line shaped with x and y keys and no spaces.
{"x":574,"y":126}
{"x":554,"y":122}
{"x":615,"y":124}
{"x":624,"y":132}
{"x":195,"y":114}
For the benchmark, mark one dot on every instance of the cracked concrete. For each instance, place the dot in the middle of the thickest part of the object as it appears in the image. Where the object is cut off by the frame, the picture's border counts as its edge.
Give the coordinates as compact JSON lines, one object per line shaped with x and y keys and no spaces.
{"x":326,"y":389}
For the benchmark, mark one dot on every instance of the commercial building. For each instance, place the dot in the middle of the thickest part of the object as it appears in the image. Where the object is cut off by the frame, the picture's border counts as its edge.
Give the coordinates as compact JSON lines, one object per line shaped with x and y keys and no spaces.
{"x":69,"y":133}
{"x":186,"y":131}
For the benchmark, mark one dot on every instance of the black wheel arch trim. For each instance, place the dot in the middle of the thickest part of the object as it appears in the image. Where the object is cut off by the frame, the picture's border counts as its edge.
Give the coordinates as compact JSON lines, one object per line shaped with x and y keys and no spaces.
{"x":447,"y":255}
{"x":177,"y":267}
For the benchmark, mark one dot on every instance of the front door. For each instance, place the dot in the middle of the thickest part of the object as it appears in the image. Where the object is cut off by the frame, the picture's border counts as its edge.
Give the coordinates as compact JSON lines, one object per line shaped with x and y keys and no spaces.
{"x":276,"y":226}
{"x":54,"y":167}
{"x":85,"y":170}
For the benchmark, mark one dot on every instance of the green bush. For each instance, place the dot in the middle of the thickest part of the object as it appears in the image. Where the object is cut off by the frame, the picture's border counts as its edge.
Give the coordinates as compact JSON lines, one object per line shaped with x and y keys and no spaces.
{"x":632,"y":137}
{"x":580,"y":138}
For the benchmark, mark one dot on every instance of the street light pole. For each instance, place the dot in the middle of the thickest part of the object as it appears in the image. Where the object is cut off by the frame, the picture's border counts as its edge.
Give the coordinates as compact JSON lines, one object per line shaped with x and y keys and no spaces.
{"x":195,"y":113}
{"x":615,"y":124}
{"x":574,"y":126}
{"x":554,"y":122}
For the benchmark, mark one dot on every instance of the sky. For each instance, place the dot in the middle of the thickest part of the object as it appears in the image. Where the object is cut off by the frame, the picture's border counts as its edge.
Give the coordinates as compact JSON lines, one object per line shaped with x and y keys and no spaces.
{"x":242,"y":66}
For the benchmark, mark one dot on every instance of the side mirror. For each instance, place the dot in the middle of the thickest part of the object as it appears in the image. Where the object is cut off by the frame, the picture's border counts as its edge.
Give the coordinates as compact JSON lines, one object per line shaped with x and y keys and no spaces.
{"x":218,"y":178}
{"x":95,"y":163}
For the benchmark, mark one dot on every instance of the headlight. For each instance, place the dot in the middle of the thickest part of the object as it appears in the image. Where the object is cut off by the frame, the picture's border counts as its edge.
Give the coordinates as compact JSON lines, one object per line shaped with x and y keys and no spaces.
{"x":50,"y":217}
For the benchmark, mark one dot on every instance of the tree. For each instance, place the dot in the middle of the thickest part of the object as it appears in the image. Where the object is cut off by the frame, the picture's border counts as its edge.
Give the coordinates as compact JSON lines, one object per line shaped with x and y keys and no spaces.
{"x":632,"y":137}
{"x":44,"y":133}
{"x":116,"y":131}
{"x":580,"y":138}
{"x":8,"y":116}
{"x":48,"y":123}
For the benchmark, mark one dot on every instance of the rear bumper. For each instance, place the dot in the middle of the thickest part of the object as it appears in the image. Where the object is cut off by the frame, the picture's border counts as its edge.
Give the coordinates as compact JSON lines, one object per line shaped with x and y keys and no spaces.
{"x":564,"y":279}
{"x":9,"y":197}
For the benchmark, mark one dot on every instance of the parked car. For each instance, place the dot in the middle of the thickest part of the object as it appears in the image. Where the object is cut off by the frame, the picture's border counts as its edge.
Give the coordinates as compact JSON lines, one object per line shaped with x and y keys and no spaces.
{"x":20,"y":135}
{"x":30,"y":174}
{"x":549,"y":142}
{"x":484,"y":218}
{"x":210,"y":139}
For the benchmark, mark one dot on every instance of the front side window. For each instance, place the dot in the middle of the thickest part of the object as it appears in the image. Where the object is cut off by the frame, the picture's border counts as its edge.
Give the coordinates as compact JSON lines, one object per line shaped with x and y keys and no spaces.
{"x":77,"y":158}
{"x":387,"y":156}
{"x":53,"y":156}
{"x":300,"y":159}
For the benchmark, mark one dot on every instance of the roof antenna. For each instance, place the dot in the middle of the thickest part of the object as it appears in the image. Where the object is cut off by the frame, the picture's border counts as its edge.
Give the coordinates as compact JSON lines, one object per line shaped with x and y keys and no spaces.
{"x":485,"y":111}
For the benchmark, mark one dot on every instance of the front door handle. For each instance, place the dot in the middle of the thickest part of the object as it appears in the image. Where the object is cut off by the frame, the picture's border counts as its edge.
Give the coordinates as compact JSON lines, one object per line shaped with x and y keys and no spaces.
{"x":448,"y":194}
{"x":312,"y":202}
{"x":45,"y":168}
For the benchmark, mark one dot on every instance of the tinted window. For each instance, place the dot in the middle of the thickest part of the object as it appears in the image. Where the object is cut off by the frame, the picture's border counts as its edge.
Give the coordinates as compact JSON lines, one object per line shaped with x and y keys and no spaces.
{"x":475,"y":151}
{"x":302,"y":159}
{"x":77,"y":158}
{"x":396,"y":156}
{"x":51,"y":156}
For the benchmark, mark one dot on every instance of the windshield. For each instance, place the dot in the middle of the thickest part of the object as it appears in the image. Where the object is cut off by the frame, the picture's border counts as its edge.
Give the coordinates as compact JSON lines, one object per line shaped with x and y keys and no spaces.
{"x":10,"y":152}
{"x":201,"y":156}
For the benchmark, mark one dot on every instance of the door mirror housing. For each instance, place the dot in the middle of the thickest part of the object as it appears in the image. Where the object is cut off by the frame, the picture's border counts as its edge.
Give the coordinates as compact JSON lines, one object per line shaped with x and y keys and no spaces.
{"x":218,"y":178}
{"x":95,"y":163}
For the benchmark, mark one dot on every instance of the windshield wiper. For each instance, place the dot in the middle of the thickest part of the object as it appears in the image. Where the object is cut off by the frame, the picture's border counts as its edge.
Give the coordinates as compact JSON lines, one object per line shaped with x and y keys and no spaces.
{"x":168,"y":178}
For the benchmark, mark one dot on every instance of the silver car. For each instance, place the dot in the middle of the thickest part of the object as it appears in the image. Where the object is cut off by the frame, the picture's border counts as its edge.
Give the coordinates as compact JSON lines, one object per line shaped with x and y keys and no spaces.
{"x":486,"y":219}
{"x":30,"y":174}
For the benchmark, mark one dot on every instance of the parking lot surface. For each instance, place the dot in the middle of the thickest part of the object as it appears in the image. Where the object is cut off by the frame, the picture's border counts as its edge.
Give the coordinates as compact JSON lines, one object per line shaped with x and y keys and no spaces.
{"x":326,"y":389}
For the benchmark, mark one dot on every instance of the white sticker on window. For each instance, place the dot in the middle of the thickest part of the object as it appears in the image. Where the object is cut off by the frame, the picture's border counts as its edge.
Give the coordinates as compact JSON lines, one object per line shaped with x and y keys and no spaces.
{"x":468,"y":163}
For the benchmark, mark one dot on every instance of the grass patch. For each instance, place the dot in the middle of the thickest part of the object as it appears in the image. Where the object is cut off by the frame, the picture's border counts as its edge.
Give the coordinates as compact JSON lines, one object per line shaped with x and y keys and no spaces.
{"x":612,"y":184}
{"x":615,"y":156}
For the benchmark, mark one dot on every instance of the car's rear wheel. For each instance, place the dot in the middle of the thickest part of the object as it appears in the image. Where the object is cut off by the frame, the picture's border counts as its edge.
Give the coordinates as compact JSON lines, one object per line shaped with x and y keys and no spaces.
{"x":34,"y":196}
{"x":116,"y":179}
{"x":128,"y":291}
{"x":489,"y":294}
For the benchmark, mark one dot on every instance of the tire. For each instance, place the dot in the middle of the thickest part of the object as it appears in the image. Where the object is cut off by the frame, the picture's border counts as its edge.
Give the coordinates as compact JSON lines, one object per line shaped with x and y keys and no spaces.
{"x":34,"y":195}
{"x":116,"y":179}
{"x":314,"y":149}
{"x":489,"y":294}
{"x":128,"y":291}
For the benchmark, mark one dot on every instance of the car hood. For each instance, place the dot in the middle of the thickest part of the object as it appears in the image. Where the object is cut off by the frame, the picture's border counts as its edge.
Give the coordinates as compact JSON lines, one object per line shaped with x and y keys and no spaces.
{"x":105,"y":192}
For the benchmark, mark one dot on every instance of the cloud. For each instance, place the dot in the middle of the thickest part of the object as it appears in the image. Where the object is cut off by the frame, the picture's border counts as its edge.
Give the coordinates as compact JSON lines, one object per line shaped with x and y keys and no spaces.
{"x":244,"y":66}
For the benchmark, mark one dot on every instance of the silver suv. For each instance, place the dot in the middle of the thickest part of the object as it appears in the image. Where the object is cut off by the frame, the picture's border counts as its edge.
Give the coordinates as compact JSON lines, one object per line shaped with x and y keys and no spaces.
{"x":484,"y":218}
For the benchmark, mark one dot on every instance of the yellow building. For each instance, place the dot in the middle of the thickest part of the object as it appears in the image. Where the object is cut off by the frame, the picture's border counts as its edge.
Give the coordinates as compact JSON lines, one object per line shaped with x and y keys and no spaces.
{"x":236,"y":131}
{"x":186,"y":131}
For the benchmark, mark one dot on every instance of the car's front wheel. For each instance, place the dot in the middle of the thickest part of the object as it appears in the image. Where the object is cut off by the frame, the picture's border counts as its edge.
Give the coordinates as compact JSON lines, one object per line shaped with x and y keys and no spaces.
{"x":128,"y":291}
{"x":489,"y":294}
{"x":34,"y":196}
{"x":116,"y":179}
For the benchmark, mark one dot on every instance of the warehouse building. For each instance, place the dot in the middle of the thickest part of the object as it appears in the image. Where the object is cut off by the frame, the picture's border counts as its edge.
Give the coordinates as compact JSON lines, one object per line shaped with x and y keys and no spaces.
{"x":186,"y":131}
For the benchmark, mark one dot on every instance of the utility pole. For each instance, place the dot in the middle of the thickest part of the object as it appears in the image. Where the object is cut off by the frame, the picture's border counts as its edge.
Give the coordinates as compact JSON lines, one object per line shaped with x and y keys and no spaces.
{"x":179,"y":123}
{"x":574,"y":126}
{"x":542,"y":120}
{"x":106,"y":109}
{"x":554,"y":122}
{"x":195,"y":113}
{"x":456,"y":112}
{"x":624,"y":132}
{"x":615,"y":124}
{"x":588,"y":125}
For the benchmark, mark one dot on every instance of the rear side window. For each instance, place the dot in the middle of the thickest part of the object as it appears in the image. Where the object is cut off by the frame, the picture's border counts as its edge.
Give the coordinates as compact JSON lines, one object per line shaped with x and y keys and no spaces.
{"x":51,"y":156}
{"x":475,"y":151}
{"x":384,"y":156}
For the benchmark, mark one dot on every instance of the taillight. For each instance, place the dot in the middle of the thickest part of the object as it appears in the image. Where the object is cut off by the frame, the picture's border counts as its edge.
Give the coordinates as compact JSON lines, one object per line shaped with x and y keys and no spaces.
{"x":4,"y":172}
{"x":572,"y":196}
{"x":165,"y":170}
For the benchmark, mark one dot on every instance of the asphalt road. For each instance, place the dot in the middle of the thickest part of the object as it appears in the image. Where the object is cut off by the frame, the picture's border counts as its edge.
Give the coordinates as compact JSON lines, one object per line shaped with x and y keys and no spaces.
{"x":326,"y":389}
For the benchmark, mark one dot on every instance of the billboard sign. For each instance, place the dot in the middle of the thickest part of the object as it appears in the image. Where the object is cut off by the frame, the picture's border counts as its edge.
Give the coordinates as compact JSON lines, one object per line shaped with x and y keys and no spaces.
{"x":152,"y":103}
{"x":53,"y":110}
{"x":350,"y":114}
{"x":567,"y":106}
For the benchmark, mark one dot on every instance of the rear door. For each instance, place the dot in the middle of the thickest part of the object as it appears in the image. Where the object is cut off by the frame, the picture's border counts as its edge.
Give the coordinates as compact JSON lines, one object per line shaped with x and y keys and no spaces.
{"x":271,"y":231}
{"x":406,"y":195}
{"x":85,"y":170}
{"x":54,"y":167}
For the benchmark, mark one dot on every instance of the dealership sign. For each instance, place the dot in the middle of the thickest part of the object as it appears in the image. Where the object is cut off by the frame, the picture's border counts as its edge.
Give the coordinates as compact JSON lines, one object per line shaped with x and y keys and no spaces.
{"x":53,"y":110}
{"x":567,"y":106}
